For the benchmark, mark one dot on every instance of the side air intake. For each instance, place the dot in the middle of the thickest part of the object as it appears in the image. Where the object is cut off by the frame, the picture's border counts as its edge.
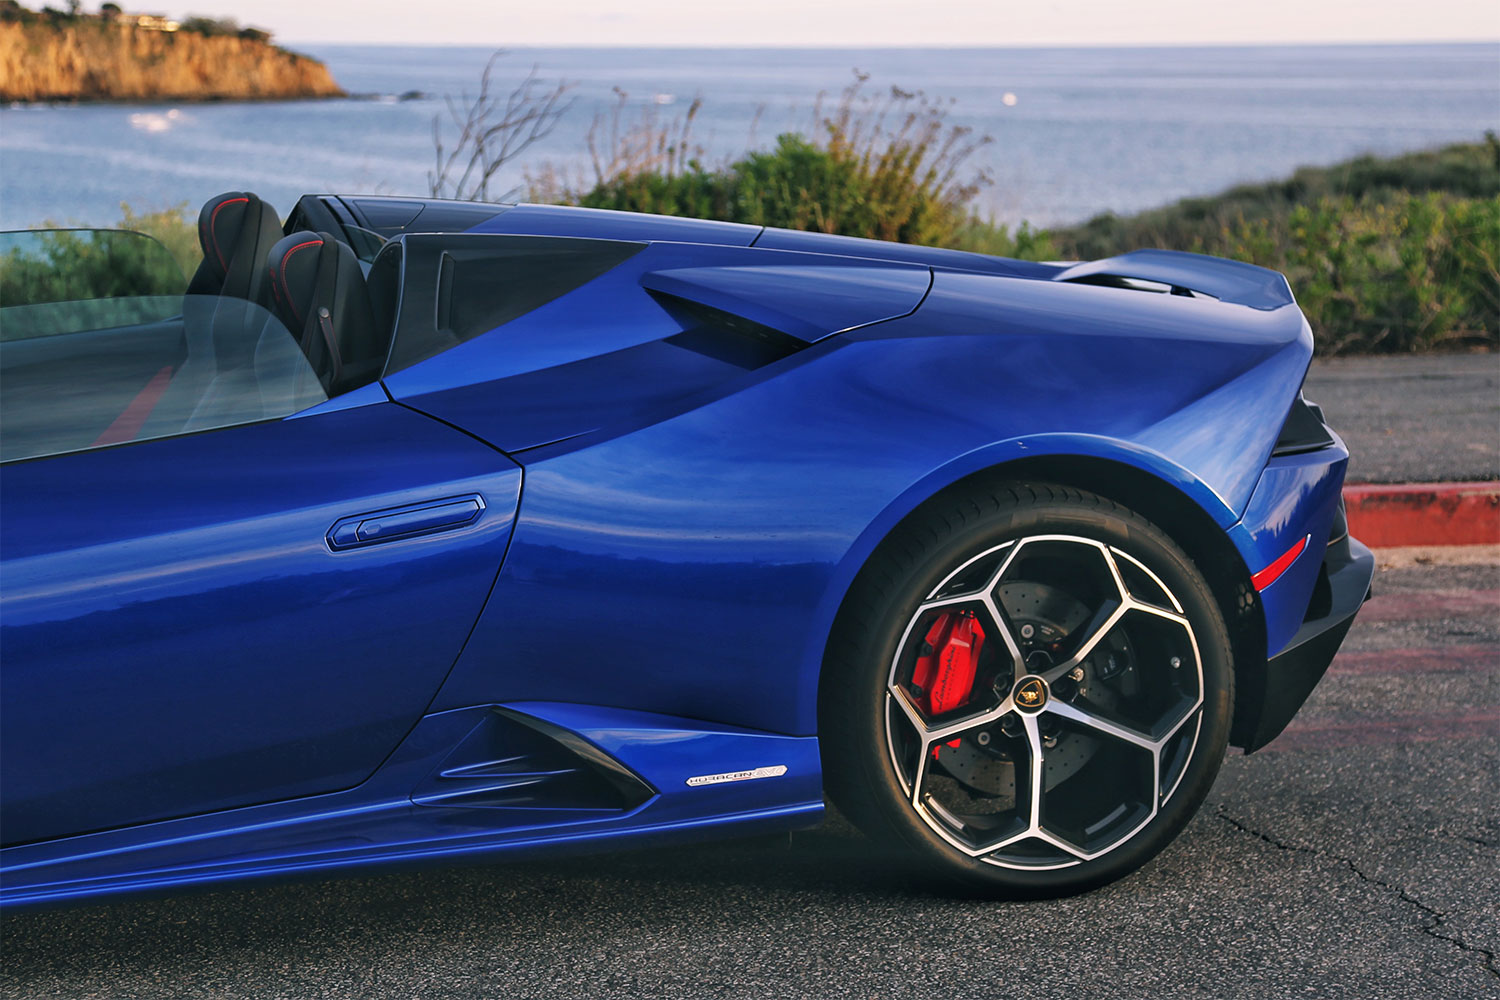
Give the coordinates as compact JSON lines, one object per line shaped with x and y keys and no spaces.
{"x":514,"y":761}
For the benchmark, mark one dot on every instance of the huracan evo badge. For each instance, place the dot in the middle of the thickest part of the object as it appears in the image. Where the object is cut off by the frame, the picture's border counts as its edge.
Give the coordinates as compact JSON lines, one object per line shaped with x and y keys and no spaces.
{"x":718,"y":779}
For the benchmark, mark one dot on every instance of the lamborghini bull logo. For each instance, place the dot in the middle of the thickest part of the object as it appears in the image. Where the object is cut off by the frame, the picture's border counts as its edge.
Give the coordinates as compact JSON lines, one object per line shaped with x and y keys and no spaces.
{"x":1031,"y":694}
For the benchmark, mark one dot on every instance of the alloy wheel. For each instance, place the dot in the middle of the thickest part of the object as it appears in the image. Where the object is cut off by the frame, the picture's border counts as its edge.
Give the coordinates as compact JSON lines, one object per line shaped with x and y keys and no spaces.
{"x":1044,"y":702}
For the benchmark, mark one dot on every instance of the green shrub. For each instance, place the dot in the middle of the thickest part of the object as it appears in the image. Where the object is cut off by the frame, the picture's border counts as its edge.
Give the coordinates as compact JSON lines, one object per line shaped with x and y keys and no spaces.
{"x":210,"y":26}
{"x":69,"y":265}
{"x":1467,"y":170}
{"x":1393,"y":254}
{"x":1396,"y":254}
{"x":1405,"y":273}
{"x":65,"y":264}
{"x":170,"y":227}
{"x":890,"y":168}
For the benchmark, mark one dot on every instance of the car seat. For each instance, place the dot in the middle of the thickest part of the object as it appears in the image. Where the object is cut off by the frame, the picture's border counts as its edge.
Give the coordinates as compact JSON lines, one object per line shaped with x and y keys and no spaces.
{"x":318,"y":290}
{"x":235,"y":230}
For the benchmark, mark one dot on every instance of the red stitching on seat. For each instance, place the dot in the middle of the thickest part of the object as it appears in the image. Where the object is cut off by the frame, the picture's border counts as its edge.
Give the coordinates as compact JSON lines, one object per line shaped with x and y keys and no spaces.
{"x":292,"y":303}
{"x":213,"y":234}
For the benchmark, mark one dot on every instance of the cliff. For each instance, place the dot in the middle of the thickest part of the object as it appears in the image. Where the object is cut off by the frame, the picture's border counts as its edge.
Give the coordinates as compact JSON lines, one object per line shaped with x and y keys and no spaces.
{"x":86,"y":60}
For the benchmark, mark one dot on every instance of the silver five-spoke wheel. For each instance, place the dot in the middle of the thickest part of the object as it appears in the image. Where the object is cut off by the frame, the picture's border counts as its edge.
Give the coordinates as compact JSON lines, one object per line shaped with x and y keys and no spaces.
{"x":1075,"y":706}
{"x":1037,"y":699}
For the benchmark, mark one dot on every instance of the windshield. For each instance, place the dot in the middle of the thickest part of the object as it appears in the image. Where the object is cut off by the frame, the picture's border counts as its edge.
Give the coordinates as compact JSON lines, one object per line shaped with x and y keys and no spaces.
{"x":72,"y":265}
{"x":76,"y":375}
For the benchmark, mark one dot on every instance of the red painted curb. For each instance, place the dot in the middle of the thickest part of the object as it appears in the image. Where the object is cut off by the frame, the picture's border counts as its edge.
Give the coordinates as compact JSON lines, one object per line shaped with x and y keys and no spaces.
{"x":1424,"y":514}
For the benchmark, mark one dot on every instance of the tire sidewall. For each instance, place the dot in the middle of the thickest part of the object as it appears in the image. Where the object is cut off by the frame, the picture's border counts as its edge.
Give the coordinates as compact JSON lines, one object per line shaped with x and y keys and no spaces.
{"x":1086,"y":517}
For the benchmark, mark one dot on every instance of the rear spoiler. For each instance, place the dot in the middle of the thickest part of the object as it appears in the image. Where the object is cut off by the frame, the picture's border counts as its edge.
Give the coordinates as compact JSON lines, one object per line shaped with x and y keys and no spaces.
{"x":1225,"y":280}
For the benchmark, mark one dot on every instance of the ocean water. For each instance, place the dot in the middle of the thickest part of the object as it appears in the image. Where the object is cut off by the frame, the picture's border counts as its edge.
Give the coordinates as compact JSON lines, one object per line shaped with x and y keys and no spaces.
{"x":1074,"y":131}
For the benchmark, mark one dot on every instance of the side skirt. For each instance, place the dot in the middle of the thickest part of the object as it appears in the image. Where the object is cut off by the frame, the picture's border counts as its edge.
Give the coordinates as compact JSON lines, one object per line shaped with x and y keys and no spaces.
{"x":522,"y":780}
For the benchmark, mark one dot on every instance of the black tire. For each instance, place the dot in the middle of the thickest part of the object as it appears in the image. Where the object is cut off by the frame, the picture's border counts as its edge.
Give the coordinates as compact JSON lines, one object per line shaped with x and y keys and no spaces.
{"x":943,"y":800}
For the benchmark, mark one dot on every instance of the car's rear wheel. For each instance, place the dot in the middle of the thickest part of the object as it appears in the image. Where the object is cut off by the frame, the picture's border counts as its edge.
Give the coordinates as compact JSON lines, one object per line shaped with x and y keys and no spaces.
{"x":1030,"y":687}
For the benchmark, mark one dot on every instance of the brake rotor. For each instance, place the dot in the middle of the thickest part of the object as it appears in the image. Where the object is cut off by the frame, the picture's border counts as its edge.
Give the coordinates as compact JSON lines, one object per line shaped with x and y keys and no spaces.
{"x":989,"y":770}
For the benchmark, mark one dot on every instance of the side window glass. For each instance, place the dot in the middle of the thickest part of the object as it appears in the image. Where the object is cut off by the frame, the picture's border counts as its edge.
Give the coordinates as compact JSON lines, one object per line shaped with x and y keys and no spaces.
{"x":365,"y":244}
{"x":80,"y":374}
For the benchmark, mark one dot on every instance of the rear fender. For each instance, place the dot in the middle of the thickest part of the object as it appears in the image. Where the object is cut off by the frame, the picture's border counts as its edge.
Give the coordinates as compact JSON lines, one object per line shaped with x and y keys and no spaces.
{"x":1015,"y":459}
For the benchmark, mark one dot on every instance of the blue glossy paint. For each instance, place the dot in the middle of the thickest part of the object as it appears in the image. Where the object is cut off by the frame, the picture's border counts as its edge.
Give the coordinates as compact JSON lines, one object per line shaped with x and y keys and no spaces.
{"x":755,"y":526}
{"x":1226,"y":280}
{"x":807,"y":301}
{"x":1297,"y":496}
{"x":379,"y":823}
{"x":179,"y":637}
{"x":852,"y":246}
{"x":224,"y":665}
{"x":563,"y":220}
{"x":667,"y":753}
{"x":604,"y":356}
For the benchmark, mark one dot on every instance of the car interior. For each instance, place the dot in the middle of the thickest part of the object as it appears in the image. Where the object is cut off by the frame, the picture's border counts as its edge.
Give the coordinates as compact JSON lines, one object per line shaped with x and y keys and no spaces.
{"x":273,"y":320}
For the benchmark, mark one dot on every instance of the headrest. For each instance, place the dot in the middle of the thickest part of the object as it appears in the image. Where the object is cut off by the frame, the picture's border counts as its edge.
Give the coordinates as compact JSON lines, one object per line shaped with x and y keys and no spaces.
{"x":234,"y":230}
{"x":318,"y":291}
{"x":293,"y":267}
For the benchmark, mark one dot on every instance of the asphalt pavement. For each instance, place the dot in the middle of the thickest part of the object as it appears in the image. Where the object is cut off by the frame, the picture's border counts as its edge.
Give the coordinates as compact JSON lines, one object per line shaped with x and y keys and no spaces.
{"x":1358,"y":856}
{"x":1432,"y":418}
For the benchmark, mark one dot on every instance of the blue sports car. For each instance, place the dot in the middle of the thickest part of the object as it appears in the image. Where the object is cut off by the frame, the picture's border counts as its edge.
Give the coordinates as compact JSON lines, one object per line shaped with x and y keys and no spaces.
{"x":418,"y":530}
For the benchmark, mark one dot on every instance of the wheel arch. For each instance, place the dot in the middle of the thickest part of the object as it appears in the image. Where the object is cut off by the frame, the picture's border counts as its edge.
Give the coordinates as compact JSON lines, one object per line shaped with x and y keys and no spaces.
{"x":1156,"y":497}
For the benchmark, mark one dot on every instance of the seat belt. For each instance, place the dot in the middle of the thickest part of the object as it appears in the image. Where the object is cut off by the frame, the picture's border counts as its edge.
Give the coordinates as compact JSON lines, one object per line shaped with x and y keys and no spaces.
{"x":318,"y":329}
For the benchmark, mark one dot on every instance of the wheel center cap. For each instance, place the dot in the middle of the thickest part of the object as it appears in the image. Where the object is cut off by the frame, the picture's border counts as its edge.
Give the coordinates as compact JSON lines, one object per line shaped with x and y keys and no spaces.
{"x":1030,"y":694}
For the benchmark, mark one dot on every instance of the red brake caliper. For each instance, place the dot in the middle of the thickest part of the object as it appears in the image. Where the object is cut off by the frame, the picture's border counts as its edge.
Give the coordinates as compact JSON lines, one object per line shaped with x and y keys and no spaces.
{"x":944,"y":675}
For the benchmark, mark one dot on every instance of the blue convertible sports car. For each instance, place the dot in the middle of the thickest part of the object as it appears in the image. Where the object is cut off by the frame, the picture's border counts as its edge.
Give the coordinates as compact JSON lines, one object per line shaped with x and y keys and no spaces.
{"x":421,"y":530}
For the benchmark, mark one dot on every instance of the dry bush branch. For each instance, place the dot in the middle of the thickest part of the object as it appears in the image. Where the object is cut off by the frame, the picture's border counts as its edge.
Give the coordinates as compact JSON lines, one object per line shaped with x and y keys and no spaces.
{"x":622,"y":145}
{"x":492,"y":131}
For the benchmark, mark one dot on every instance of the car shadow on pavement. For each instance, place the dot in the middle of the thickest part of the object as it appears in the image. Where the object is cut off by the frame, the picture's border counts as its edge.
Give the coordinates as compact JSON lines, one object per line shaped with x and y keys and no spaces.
{"x":495,"y":900}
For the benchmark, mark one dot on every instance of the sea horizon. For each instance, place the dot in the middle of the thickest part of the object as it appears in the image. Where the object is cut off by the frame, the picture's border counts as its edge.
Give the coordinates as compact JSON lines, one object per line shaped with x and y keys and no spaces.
{"x":1077,"y":130}
{"x":1019,"y":47}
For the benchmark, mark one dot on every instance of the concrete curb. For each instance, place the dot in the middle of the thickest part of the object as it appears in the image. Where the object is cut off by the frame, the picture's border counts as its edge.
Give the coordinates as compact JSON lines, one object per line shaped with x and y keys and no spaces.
{"x":1406,"y":514}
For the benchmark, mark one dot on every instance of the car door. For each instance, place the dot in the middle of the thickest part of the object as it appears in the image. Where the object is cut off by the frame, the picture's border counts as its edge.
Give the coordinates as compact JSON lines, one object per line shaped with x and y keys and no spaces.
{"x":238,"y":615}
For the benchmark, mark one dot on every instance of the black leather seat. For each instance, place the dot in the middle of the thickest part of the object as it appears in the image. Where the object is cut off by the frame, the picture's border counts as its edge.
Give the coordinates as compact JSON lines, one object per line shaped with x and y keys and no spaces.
{"x":318,"y":290}
{"x":224,"y":317}
{"x":236,"y":230}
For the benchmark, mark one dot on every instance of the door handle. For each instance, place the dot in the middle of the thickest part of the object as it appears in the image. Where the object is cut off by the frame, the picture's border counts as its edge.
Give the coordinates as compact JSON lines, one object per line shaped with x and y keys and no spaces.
{"x":411,"y":521}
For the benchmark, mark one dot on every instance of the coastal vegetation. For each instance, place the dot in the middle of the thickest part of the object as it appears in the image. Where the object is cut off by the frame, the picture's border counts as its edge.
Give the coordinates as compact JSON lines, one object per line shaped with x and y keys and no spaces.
{"x":54,"y":55}
{"x":490,"y":130}
{"x":1397,"y":254}
{"x":1393,"y":254}
{"x":61,"y":263}
{"x":1385,"y":254}
{"x":889,"y":167}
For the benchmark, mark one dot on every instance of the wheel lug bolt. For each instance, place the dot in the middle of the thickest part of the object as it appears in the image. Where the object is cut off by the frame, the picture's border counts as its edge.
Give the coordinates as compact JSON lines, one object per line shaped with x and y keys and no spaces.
{"x":1076,"y":674}
{"x":983,"y":739}
{"x":1027,"y":631}
{"x":1010,"y":725}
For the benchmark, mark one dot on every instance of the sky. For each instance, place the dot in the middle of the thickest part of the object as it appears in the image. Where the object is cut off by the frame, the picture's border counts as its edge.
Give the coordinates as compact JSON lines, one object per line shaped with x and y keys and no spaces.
{"x":857,"y":23}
